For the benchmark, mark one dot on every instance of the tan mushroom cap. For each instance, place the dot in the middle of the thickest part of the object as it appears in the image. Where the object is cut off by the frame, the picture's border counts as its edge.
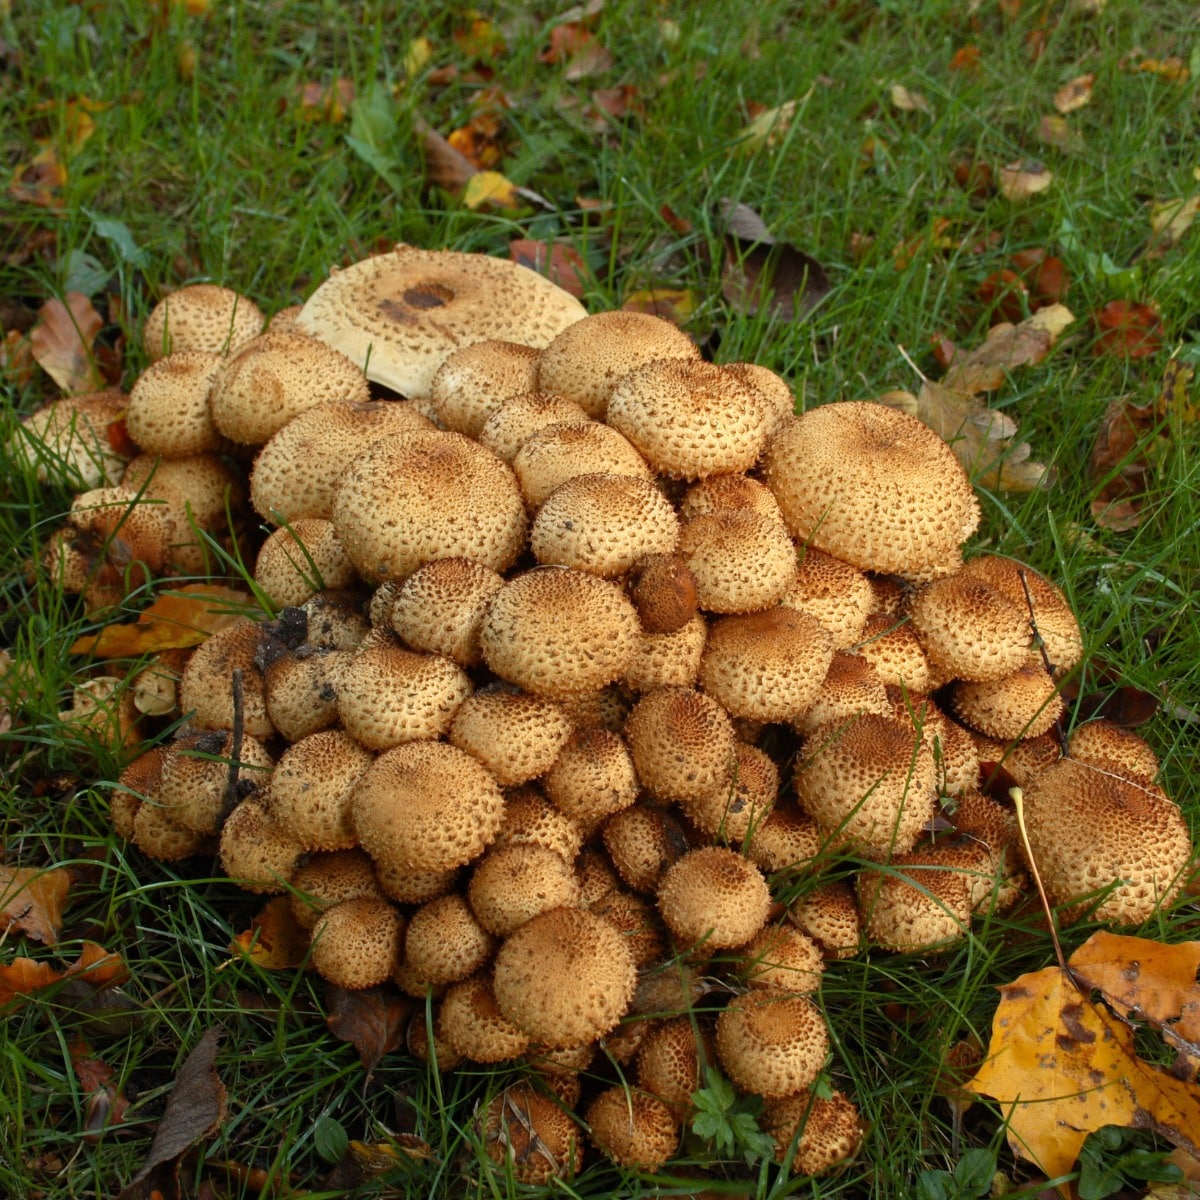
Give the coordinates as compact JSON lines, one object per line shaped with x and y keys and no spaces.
{"x":775,"y":391}
{"x":197,"y":490}
{"x":72,"y":440}
{"x":771,"y":1042}
{"x":517,"y":737}
{"x":783,"y":957}
{"x":275,"y":377}
{"x":206,"y":693}
{"x":713,"y":898}
{"x":767,"y":666}
{"x":592,"y":778}
{"x":471,"y":1022}
{"x":668,"y":659}
{"x":831,"y":1130}
{"x":300,"y":559}
{"x":600,"y":708}
{"x":531,"y":1135}
{"x":566,"y":977}
{"x":335,"y":620}
{"x":663,"y":589}
{"x":530,"y":819}
{"x":416,"y":497}
{"x":521,"y":416}
{"x":633,"y":1128}
{"x":168,"y":409}
{"x":717,"y":492}
{"x":603,"y":524}
{"x":556,"y":453}
{"x":474,"y":381}
{"x":1093,"y":826}
{"x":733,"y":812}
{"x":874,"y":487}
{"x":1055,"y":621}
{"x":682,"y":743}
{"x":671,"y":1061}
{"x":1104,"y":740}
{"x":440,"y":608}
{"x":400,"y":315}
{"x":851,"y":686}
{"x":642,"y":842}
{"x":917,"y":902}
{"x":257,"y":853}
{"x":690,"y":418}
{"x":868,"y":783}
{"x":512,"y":884}
{"x":388,"y":695}
{"x":890,"y":644}
{"x":310,"y":789}
{"x":425,"y":806}
{"x":557,"y":631}
{"x":327,"y":878}
{"x":155,"y":834}
{"x":201,"y":316}
{"x":830,"y":915}
{"x":137,"y":783}
{"x":444,"y":941}
{"x":1024,"y":704}
{"x":741,"y":560}
{"x":635,"y":918}
{"x":356,"y":944}
{"x":297,"y":472}
{"x":198,"y":773}
{"x":838,"y":595}
{"x":408,"y":886}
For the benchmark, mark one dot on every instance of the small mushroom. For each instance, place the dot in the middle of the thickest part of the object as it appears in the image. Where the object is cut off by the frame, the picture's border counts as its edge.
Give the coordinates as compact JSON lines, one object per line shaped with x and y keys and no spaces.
{"x":201,"y":316}
{"x":771,"y":1042}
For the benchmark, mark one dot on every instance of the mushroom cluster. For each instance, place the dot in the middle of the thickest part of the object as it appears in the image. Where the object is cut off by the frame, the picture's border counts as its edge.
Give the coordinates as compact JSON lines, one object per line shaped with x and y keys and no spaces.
{"x":583,"y":645}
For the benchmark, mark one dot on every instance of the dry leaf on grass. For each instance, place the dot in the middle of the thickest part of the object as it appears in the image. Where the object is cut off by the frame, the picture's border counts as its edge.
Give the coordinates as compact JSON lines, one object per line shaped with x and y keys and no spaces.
{"x":40,"y":181}
{"x":559,"y":262}
{"x":768,"y":128}
{"x":1128,"y":329}
{"x":1020,"y":180}
{"x":672,"y":304}
{"x":1074,"y":95}
{"x":1058,"y":132}
{"x":274,"y":941}
{"x":96,"y":967}
{"x":32,"y":900}
{"x":62,"y":342}
{"x":372,"y":1021}
{"x":908,"y":100}
{"x":1171,"y":219}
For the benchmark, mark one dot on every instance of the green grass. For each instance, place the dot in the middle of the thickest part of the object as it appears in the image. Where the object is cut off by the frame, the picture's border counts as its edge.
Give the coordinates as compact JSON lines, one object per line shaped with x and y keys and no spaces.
{"x":216,"y":178}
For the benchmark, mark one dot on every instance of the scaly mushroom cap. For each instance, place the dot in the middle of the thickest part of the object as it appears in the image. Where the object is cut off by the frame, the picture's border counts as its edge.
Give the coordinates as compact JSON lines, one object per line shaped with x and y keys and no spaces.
{"x":718,"y":492}
{"x":603,"y":524}
{"x":663,"y":589}
{"x":310,"y":789}
{"x":1093,"y":826}
{"x":530,"y":819}
{"x":257,"y":853}
{"x":440,"y":608}
{"x":1024,"y":704}
{"x":890,"y":644}
{"x":682,"y":743}
{"x":557,"y":631}
{"x":713,"y":898}
{"x":838,"y":595}
{"x":783,"y":957}
{"x":137,"y":783}
{"x":328,"y":878}
{"x":444,"y":941}
{"x":531,"y":1135}
{"x":874,"y":487}
{"x":425,"y":806}
{"x":831,"y":1131}
{"x":413,"y":498}
{"x":671,"y":1061}
{"x":517,"y":737}
{"x":868,"y":783}
{"x":474,"y":382}
{"x":275,"y":377}
{"x":301,"y":559}
{"x":168,"y":409}
{"x":592,"y":778}
{"x":668,"y":659}
{"x":829,"y":915}
{"x":566,"y":977}
{"x":388,"y":695}
{"x":774,"y":390}
{"x":771,"y":1042}
{"x":206,"y":694}
{"x":1051,"y":613}
{"x":642,"y":842}
{"x":356,"y":944}
{"x":918,"y":902}
{"x":633,"y":1128}
{"x":521,"y":416}
{"x":1104,"y":740}
{"x":512,"y":884}
{"x":470,"y":1020}
{"x":334,"y":620}
{"x":399,"y":316}
{"x":201,"y":316}
{"x":406,"y":886}
{"x":737,"y":809}
{"x":156,"y":835}
{"x":851,"y":686}
{"x":586,"y":360}
{"x":636,"y":920}
{"x":690,"y":418}
{"x":73,"y":440}
{"x":557,"y":453}
{"x":969,"y":629}
{"x":297,"y":472}
{"x":198,"y":775}
{"x":767,"y":666}
{"x":741,"y":560}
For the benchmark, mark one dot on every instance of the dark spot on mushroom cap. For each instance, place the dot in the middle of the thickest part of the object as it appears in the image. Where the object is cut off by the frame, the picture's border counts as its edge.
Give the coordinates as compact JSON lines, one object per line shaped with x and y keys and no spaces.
{"x":425,"y":295}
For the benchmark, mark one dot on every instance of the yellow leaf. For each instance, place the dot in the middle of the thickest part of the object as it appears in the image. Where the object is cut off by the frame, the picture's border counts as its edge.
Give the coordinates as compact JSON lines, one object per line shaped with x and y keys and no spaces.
{"x":1056,"y":131}
{"x":1174,"y":399}
{"x":1171,"y":219}
{"x":31,"y":901}
{"x":1075,"y":94}
{"x":490,"y":189}
{"x":673,"y":304}
{"x":419,"y":52}
{"x":767,"y":129}
{"x":1020,"y":180}
{"x":40,"y":181}
{"x":274,"y":941}
{"x":909,"y":101}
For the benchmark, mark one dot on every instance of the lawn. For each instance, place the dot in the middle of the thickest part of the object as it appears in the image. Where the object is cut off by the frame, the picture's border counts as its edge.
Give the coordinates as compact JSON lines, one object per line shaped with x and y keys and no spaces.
{"x":892,"y":151}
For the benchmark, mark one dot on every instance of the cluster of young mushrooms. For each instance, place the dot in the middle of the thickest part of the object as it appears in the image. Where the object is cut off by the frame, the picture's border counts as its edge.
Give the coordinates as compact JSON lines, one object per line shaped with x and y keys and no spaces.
{"x":554,"y":617}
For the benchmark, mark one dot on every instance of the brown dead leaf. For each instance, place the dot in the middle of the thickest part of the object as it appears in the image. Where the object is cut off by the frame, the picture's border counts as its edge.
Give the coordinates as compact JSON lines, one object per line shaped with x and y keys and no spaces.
{"x":175,"y":620}
{"x":908,"y":100}
{"x":567,"y":39}
{"x":1172,"y":68}
{"x":96,"y":967}
{"x":106,"y":1103}
{"x":1007,"y":346}
{"x":767,"y":129}
{"x":559,"y":262}
{"x":934,"y":238}
{"x":1074,"y":95}
{"x":365,"y":1161}
{"x":1045,"y":275}
{"x":62,"y":341}
{"x":1058,"y":132}
{"x":593,"y":59}
{"x":1120,"y":461}
{"x":672,"y":304}
{"x":40,"y":181}
{"x":1128,"y":330}
{"x":274,"y":941}
{"x":1174,"y":396}
{"x":23,"y":976}
{"x":966,"y":59}
{"x":1020,"y":180}
{"x":1171,"y":219}
{"x":490,"y":189}
{"x":480,"y":41}
{"x":326,"y":105}
{"x":31,"y":901}
{"x":371,"y":1020}
{"x":1006,"y":294}
{"x":445,"y":167}
{"x":17,"y":364}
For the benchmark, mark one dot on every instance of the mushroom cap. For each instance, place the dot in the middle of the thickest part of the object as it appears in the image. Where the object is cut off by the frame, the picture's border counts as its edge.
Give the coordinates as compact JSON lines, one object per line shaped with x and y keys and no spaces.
{"x":671,"y":1061}
{"x":257,"y":853}
{"x":68,"y":440}
{"x":1093,"y":826}
{"x":690,"y":418}
{"x":197,"y":773}
{"x":668,"y":659}
{"x":168,"y":409}
{"x":890,"y":644}
{"x":302,"y":689}
{"x":851,"y":686}
{"x":592,"y":778}
{"x":206,"y":693}
{"x":717,"y":492}
{"x":918,"y":902}
{"x":603,"y":524}
{"x":199,"y":490}
{"x":713,"y":898}
{"x":663,"y":589}
{"x":530,"y":819}
{"x":201,"y":316}
{"x":357,"y":943}
{"x":521,"y":416}
{"x":300,"y":559}
{"x":474,"y":381}
{"x":831,"y":1130}
{"x":873,"y":486}
{"x":767,"y":666}
{"x":137,"y":783}
{"x":642,"y":842}
{"x":636,"y":920}
{"x":408,"y":886}
{"x":633,"y":1128}
{"x":445,"y":942}
{"x":517,"y":737}
{"x":774,"y":389}
{"x":838,"y":595}
{"x":1106,"y":740}
{"x":416,"y":497}
{"x":1024,"y":704}
{"x":156,"y":835}
{"x":557,"y":631}
{"x":783,"y":957}
{"x":400,"y":315}
{"x":741,"y":560}
{"x":327,"y":878}
{"x":335,"y":620}
{"x":682,"y":743}
{"x":868,"y":783}
{"x":531,"y":1135}
{"x":556,"y":453}
{"x":273,"y":378}
{"x":566,"y":977}
{"x":586,"y":360}
{"x":737,"y":809}
{"x":829,"y":915}
{"x":425,"y":806}
{"x":470,"y":1021}
{"x":511,"y":884}
{"x":440,"y":608}
{"x":297,"y":472}
{"x":771,"y":1042}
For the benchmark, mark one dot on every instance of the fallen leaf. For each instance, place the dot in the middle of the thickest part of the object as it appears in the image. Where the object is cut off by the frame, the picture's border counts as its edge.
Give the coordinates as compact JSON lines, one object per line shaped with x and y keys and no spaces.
{"x":974,"y":177}
{"x":1172,"y":68}
{"x":275,"y":941}
{"x":1006,"y":294}
{"x":23,"y":976}
{"x":175,"y":620}
{"x":567,"y":39}
{"x":40,"y":181}
{"x":767,"y":129}
{"x":559,"y":262}
{"x":1174,"y":396}
{"x":1005,"y":347}
{"x":593,"y":59}
{"x":17,"y":364}
{"x":480,"y":41}
{"x":365,"y":1161}
{"x":1020,"y":180}
{"x":907,"y":100}
{"x":1045,"y":275}
{"x":934,"y":238}
{"x":490,"y":189}
{"x":1128,"y":329}
{"x":62,"y":340}
{"x":672,"y":304}
{"x":1171,"y":219}
{"x":106,"y":1103}
{"x":1058,"y":132}
{"x":96,"y":967}
{"x":99,"y":967}
{"x":371,"y":1020}
{"x":31,"y":901}
{"x":417,"y":56}
{"x":445,"y":167}
{"x":966,"y":59}
{"x":616,"y":102}
{"x":329,"y":105}
{"x":1074,"y":95}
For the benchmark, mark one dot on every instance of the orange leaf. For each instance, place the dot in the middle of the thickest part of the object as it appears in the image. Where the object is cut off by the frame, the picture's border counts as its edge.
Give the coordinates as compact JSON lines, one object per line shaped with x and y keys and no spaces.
{"x":17,"y":365}
{"x":1128,"y":329}
{"x":566,"y":41}
{"x":62,"y":342}
{"x":1075,"y":94}
{"x":23,"y":976}
{"x":31,"y":901}
{"x":99,"y":967}
{"x":40,"y":181}
{"x":174,"y":621}
{"x":274,"y":940}
{"x":966,"y":59}
{"x":325,"y":104}
{"x":560,"y":263}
